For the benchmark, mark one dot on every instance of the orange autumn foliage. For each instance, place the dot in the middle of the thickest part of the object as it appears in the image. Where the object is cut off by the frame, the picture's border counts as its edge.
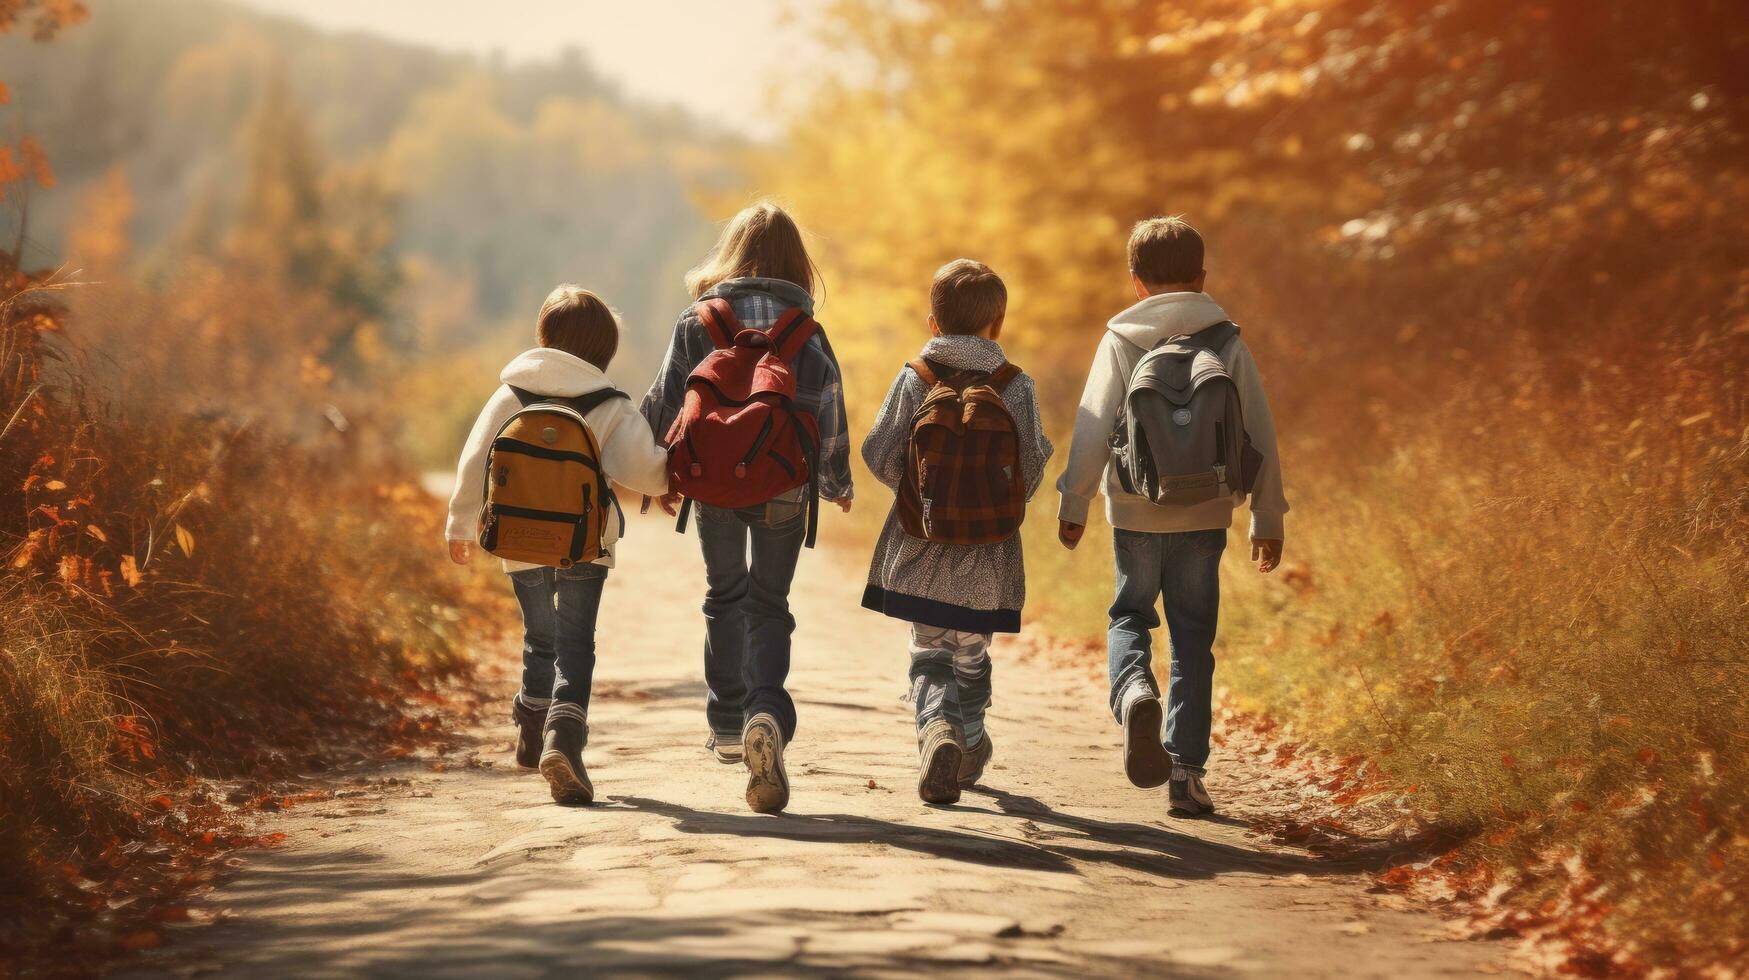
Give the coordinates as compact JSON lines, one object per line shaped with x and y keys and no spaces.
{"x":212,"y":564}
{"x":1487,"y":254}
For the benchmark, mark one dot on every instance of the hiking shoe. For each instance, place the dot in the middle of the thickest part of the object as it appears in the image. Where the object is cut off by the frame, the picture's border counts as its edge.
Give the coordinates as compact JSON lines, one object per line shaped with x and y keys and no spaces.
{"x":726,"y":748}
{"x":529,"y":722}
{"x":561,"y":758}
{"x":767,"y":786}
{"x":1145,"y":760}
{"x":1188,"y":796}
{"x":938,"y":762}
{"x":973,"y":761}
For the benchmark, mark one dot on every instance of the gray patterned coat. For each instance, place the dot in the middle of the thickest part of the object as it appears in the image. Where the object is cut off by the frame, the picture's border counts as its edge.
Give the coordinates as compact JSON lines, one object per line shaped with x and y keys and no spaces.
{"x":975,"y":588}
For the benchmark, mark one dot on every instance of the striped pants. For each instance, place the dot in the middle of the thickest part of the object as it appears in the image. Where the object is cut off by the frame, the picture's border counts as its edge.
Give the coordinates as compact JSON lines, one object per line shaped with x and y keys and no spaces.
{"x":950,"y":677}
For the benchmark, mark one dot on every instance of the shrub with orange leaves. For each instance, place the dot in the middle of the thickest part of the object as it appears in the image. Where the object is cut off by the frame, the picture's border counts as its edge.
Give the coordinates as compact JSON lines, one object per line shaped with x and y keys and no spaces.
{"x":211,"y":560}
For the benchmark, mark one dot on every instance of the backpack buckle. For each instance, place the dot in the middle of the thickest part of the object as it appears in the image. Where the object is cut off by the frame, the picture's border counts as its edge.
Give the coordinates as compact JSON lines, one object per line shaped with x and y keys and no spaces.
{"x":697,"y":469}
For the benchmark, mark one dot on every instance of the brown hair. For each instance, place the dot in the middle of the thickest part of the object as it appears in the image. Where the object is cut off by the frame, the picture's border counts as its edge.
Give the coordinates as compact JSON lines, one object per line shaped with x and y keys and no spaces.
{"x":966,"y":297}
{"x":1165,"y":251}
{"x":763,"y":240}
{"x":576,"y":321}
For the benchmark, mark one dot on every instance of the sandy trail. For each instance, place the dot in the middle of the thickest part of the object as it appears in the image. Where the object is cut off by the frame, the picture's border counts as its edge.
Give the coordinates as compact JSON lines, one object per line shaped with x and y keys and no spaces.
{"x":1056,"y":866}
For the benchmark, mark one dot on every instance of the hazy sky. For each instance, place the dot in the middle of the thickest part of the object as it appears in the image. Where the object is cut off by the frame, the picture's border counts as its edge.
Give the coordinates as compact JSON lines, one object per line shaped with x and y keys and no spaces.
{"x":687,"y":51}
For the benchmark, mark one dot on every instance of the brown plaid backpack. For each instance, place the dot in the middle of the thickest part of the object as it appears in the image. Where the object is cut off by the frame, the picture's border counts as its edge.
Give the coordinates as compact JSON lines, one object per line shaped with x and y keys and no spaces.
{"x":963,"y":483}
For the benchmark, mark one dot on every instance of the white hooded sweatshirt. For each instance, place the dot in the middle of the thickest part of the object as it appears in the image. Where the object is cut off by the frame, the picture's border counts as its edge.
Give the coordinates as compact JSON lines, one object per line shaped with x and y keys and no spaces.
{"x":629,"y":455}
{"x":1128,"y":336}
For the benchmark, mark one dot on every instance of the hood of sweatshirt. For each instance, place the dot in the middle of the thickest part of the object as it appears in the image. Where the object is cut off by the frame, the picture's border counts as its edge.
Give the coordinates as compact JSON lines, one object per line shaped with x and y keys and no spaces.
{"x":781,"y":291}
{"x":547,"y":371}
{"x":1166,"y":315}
{"x":965,"y":353}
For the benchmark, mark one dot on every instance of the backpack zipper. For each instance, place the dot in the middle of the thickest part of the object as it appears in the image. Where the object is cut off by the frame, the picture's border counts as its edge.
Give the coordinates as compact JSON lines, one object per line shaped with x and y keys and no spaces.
{"x":758,"y":441}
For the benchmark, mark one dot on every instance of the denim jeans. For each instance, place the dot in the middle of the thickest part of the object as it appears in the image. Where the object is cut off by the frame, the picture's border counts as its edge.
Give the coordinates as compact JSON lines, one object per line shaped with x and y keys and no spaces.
{"x":747,"y":623}
{"x":950,"y":678}
{"x":1183,"y":569}
{"x":558,"y":630}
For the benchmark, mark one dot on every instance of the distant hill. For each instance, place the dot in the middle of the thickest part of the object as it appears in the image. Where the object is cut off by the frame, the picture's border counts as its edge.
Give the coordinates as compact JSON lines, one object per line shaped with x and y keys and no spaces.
{"x":510,"y":179}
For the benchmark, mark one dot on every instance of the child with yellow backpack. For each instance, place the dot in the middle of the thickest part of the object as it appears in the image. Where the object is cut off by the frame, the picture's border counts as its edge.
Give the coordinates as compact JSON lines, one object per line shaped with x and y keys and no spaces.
{"x":534,"y":487}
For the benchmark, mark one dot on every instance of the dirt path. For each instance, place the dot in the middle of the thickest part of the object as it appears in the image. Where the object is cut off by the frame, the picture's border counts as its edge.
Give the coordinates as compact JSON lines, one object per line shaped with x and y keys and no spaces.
{"x":1057,"y":866}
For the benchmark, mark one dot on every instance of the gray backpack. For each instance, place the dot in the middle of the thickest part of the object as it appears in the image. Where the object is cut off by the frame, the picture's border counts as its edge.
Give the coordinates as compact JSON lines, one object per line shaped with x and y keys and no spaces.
{"x":1181,"y":437}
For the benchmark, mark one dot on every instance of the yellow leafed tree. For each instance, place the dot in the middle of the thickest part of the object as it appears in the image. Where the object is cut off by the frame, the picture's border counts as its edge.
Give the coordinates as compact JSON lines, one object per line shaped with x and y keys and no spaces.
{"x":1485,"y":253}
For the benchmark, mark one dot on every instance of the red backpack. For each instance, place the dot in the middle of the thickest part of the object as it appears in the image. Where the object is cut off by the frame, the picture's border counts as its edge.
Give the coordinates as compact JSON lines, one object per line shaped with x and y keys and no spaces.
{"x":740,"y":439}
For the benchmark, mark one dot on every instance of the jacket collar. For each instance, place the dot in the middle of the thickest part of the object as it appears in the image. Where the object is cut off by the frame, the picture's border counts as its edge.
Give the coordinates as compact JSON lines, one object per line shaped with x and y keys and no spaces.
{"x":965,"y":353}
{"x":552,"y":372}
{"x":781,"y":290}
{"x":1164,"y":315}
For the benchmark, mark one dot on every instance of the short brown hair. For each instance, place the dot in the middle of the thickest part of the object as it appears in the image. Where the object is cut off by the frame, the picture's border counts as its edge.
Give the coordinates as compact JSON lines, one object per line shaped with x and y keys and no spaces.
{"x":576,"y":321}
{"x":764,"y":241}
{"x":1165,"y":250}
{"x":966,"y":297}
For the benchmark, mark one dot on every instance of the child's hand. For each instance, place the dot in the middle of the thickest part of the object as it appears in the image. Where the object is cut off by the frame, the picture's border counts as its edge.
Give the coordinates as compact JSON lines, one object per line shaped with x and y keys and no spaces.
{"x":843,"y":504}
{"x":1070,"y":534}
{"x":670,"y":503}
{"x":1266,"y":552}
{"x":461,"y":552}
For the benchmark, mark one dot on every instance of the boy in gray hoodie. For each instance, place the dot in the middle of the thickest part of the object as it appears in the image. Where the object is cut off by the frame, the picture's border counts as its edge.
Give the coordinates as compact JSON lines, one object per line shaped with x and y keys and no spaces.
{"x":1166,"y":552}
{"x":955,"y":596}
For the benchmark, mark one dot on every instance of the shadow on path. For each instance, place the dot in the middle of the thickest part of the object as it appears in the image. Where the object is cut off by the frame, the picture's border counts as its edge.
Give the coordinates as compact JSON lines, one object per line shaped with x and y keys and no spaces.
{"x":1131,"y":846}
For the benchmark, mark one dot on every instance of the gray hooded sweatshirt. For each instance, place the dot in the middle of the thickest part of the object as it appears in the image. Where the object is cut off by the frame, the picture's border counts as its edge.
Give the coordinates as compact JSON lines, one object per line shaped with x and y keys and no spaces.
{"x":1128,"y":336}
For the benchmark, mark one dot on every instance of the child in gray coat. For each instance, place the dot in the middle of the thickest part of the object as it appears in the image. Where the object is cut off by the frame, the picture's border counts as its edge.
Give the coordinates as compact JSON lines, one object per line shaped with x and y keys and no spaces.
{"x":955,"y":596}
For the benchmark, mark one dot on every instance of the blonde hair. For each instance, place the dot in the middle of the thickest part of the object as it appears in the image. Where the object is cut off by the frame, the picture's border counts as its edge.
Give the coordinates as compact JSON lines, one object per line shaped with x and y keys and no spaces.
{"x":577,"y":321}
{"x":764,"y":241}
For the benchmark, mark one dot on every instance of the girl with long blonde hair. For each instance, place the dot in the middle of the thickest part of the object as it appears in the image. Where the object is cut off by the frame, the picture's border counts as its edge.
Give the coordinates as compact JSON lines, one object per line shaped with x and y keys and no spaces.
{"x":759,"y":271}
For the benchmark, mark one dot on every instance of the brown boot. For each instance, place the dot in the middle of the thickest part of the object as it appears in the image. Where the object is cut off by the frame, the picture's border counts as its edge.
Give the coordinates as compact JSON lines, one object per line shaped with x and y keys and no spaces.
{"x":529,"y":722}
{"x":975,"y":759}
{"x":561,"y":758}
{"x":938,"y":759}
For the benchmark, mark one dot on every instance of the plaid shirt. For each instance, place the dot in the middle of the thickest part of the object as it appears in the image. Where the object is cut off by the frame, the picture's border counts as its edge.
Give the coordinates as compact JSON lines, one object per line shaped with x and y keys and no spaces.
{"x":819,"y":387}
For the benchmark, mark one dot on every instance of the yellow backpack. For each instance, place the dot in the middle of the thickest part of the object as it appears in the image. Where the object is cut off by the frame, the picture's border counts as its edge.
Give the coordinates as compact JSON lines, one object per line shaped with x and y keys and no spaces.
{"x":547,"y":499}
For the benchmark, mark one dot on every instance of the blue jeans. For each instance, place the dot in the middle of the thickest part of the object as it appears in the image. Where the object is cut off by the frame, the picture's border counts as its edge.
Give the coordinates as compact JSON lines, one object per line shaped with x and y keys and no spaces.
{"x":950,"y":678}
{"x":1183,"y":569}
{"x":558,"y":630}
{"x":747,"y":623}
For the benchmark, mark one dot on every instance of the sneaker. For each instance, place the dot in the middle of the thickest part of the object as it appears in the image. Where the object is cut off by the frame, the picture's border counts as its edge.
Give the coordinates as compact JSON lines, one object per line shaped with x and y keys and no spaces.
{"x":726,"y":748}
{"x":1188,"y":796}
{"x":938,"y":764}
{"x":767,"y":786}
{"x":1145,"y":760}
{"x":974,"y":760}
{"x":561,"y":758}
{"x":529,"y":722}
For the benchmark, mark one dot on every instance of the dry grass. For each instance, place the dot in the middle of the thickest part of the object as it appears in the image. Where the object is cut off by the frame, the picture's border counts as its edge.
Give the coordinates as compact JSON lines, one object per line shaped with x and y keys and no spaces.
{"x":185,"y":593}
{"x":1538,"y":641}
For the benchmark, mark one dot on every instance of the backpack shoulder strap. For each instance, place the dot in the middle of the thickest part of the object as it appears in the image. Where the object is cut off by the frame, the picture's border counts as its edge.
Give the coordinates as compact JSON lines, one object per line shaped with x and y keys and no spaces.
{"x":791,"y":332}
{"x":524,"y":397}
{"x":584,"y":404}
{"x":1214,"y":338}
{"x":1003,"y":376}
{"x":924,"y":372}
{"x":720,"y":321}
